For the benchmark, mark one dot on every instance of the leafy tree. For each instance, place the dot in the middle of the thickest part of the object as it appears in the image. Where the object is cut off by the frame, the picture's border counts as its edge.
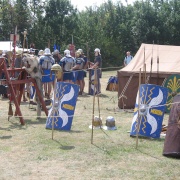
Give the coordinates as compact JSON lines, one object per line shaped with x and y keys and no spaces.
{"x":22,"y":17}
{"x":60,"y":21}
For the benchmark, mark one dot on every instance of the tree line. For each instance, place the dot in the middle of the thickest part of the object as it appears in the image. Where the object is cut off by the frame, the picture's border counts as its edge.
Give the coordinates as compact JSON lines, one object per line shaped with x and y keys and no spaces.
{"x":113,"y":27}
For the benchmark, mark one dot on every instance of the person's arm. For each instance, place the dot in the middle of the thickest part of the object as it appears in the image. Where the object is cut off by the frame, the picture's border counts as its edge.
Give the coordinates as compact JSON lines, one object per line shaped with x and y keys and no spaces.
{"x":76,"y":67}
{"x":86,"y":63}
{"x":96,"y":65}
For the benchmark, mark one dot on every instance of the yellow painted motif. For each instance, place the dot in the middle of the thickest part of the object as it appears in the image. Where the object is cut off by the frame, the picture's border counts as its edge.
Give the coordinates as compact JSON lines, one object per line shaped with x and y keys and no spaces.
{"x":135,"y":109}
{"x":150,"y":95}
{"x":144,"y":124}
{"x":173,"y":85}
{"x":68,"y":106}
{"x":157,"y":112}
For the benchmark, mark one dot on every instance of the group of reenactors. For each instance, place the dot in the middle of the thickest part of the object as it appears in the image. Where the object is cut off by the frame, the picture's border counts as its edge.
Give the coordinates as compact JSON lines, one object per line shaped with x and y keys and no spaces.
{"x":74,"y":68}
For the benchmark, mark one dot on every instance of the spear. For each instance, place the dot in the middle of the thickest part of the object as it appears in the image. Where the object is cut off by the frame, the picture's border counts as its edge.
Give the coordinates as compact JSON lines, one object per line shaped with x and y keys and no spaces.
{"x":151,"y":64}
{"x":95,"y":82}
{"x":55,"y":81}
{"x":144,"y":78}
{"x":158,"y":67}
{"x":14,"y":44}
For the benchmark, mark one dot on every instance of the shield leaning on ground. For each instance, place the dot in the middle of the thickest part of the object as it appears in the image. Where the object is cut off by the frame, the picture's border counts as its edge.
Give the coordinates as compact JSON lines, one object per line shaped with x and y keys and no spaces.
{"x":152,"y":107}
{"x":173,"y":86}
{"x":92,"y":81}
{"x":63,"y":106}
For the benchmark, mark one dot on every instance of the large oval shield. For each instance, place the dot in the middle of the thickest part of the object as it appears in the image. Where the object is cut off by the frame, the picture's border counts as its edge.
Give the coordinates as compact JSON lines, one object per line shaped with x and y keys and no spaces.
{"x":63,"y":106}
{"x":92,"y":82}
{"x":151,"y":112}
{"x":173,"y":85}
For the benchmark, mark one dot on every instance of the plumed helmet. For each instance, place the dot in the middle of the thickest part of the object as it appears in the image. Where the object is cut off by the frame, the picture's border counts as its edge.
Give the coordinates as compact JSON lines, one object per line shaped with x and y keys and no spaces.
{"x":47,"y":52}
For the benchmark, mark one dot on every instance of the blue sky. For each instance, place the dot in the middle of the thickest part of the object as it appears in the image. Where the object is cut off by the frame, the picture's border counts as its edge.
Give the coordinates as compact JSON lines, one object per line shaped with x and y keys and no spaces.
{"x":81,"y":4}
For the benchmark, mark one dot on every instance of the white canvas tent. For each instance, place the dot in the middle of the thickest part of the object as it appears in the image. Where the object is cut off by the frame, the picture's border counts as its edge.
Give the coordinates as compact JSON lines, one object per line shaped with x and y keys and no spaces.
{"x":7,"y":46}
{"x":169,"y":63}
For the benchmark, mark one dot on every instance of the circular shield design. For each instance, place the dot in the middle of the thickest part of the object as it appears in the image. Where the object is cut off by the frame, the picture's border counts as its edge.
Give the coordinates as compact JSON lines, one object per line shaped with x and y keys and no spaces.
{"x":173,"y":86}
{"x":147,"y":120}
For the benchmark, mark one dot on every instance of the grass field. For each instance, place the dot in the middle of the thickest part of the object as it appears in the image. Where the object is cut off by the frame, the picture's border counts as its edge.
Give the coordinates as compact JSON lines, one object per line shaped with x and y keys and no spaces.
{"x":28,"y":152}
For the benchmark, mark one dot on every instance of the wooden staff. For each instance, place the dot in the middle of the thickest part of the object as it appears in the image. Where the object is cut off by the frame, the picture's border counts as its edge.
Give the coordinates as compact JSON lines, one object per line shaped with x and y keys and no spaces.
{"x":144,"y":79}
{"x":145,"y":73}
{"x":98,"y":85}
{"x":24,"y":42}
{"x":14,"y":50}
{"x":151,"y":64}
{"x":158,"y":67}
{"x":138,"y":123}
{"x":88,"y":58}
{"x":95,"y":79}
{"x":49,"y":43}
{"x":55,"y":81}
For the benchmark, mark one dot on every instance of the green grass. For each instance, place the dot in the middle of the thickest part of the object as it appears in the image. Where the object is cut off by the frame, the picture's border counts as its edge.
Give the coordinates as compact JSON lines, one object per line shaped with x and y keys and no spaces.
{"x":28,"y":152}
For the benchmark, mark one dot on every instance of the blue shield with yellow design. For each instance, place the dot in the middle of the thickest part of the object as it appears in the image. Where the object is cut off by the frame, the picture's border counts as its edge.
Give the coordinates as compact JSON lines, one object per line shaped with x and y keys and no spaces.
{"x":63,"y":106}
{"x":151,"y":111}
{"x":94,"y":86}
{"x":173,"y":85}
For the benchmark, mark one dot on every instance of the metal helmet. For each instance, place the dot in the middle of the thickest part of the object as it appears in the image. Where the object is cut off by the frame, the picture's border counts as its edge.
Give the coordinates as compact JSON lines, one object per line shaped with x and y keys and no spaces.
{"x":78,"y":53}
{"x":56,"y":67}
{"x":97,"y":50}
{"x":58,"y":70}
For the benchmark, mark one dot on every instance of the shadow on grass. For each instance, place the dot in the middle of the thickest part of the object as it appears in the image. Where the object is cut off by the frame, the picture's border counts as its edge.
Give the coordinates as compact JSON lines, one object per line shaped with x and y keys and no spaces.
{"x":67,"y":147}
{"x":102,"y":149}
{"x":5,"y":137}
{"x":86,"y":95}
{"x":148,"y":138}
{"x":64,"y":147}
{"x":35,"y":121}
{"x":67,"y":131}
{"x":16,"y":124}
{"x":148,"y":154}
